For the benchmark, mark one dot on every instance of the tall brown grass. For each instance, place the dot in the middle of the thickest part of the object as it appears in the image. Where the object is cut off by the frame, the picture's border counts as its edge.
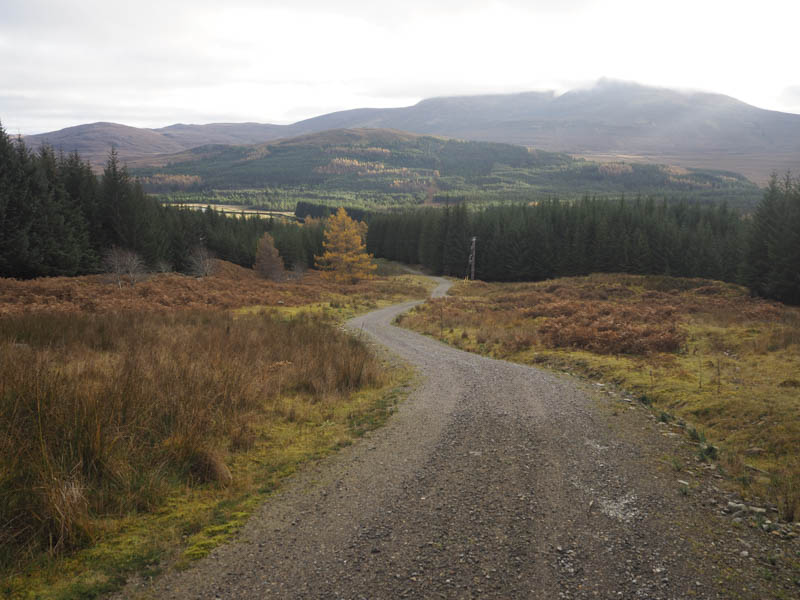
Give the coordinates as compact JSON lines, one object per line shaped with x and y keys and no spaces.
{"x":704,"y":351}
{"x":99,"y":413}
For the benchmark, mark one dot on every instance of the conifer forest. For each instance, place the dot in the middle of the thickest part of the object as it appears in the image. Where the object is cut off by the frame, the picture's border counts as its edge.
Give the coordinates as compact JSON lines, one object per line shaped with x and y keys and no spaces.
{"x":643,"y":236}
{"x":59,"y":218}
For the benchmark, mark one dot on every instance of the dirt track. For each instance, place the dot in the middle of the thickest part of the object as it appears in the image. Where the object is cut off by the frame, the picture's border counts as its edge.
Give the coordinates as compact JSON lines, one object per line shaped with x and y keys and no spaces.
{"x":493,"y":480}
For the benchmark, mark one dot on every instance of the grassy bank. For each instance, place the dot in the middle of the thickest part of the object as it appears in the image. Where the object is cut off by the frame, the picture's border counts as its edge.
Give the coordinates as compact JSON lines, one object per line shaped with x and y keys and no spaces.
{"x":699,"y":351}
{"x":135,"y":438}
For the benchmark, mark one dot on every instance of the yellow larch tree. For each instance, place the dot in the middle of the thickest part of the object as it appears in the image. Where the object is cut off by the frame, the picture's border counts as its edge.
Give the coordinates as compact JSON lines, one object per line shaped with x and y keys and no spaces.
{"x":345,"y":259}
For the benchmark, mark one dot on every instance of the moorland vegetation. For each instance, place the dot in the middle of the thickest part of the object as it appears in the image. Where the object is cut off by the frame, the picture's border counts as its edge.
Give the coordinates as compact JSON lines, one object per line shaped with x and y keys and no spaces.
{"x":128,"y":396}
{"x":143,"y":423}
{"x":714,"y":363}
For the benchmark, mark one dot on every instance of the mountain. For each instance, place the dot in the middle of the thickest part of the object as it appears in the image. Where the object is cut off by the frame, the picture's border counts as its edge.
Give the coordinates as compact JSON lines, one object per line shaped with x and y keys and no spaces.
{"x":380,"y":167}
{"x":610,"y":120}
{"x":189,"y":136}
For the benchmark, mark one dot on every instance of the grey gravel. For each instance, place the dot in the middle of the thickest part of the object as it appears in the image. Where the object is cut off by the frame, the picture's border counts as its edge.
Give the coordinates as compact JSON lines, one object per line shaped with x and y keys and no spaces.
{"x":493,"y":480}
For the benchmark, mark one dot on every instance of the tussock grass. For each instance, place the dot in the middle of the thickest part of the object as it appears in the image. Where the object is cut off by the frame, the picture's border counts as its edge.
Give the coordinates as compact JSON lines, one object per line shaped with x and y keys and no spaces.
{"x":701,"y":350}
{"x":103,"y":415}
{"x":142,"y":421}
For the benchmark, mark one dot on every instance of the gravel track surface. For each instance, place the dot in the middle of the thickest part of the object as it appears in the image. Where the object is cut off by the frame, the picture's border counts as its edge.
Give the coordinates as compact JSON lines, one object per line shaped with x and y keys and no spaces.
{"x":493,"y":480}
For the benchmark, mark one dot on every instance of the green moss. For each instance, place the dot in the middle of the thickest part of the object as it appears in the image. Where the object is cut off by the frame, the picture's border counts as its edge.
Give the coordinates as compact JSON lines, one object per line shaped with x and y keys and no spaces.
{"x":195,"y":520}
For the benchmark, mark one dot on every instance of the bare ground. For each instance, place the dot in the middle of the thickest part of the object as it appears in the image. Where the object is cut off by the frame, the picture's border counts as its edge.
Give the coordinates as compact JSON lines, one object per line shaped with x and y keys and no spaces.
{"x":494,"y":480}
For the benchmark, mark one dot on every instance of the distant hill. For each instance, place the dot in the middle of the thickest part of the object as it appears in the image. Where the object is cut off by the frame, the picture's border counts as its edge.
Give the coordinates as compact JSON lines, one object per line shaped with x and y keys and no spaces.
{"x":611,"y":119}
{"x":380,"y":167}
{"x":189,"y":136}
{"x":94,"y":140}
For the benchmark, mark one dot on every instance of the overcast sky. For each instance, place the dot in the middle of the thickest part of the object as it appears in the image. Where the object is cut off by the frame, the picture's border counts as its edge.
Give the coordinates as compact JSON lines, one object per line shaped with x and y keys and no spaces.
{"x":153,"y":63}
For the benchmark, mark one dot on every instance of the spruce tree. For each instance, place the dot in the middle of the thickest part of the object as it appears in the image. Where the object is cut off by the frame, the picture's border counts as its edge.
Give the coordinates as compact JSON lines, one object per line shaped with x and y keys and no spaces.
{"x":16,"y":215}
{"x":455,"y":253}
{"x":58,"y":235}
{"x":763,"y":229}
{"x":431,"y":240}
{"x":783,"y":248}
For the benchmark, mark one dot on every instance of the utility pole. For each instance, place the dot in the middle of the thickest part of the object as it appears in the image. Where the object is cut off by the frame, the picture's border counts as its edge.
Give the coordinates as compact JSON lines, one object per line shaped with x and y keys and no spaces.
{"x":472,"y":259}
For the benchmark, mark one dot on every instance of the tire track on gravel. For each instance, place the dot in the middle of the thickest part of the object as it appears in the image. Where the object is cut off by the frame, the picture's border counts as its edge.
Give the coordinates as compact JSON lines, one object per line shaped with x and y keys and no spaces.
{"x":493,"y":480}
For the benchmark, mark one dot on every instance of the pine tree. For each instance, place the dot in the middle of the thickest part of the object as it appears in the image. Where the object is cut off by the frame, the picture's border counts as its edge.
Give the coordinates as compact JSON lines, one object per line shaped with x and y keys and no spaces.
{"x":289,"y":243}
{"x":431,"y":239}
{"x":765,"y":223}
{"x":131,"y":219}
{"x":783,"y":278}
{"x":345,"y":259}
{"x":59,"y":233}
{"x":641,"y":256}
{"x":456,"y":242}
{"x":312,"y":234}
{"x":16,"y":213}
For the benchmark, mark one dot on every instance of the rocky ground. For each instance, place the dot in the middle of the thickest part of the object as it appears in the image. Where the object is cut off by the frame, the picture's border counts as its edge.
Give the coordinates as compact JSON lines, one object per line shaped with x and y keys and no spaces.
{"x":496,"y":480}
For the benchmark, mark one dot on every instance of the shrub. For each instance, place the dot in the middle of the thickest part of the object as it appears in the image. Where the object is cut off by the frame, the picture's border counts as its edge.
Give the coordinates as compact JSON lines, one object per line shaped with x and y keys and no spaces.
{"x":268,"y":263}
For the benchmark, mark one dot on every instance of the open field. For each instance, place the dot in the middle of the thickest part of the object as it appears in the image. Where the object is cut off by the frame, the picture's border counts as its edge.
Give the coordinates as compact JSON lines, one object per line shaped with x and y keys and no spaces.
{"x":141,"y":425}
{"x":235,"y":210}
{"x":714,"y":363}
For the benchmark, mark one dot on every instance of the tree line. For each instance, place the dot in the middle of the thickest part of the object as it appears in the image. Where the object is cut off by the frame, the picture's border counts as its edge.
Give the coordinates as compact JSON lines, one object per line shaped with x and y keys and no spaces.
{"x":58,"y":218}
{"x":771,"y":265}
{"x":530,"y":242}
{"x":316,"y":210}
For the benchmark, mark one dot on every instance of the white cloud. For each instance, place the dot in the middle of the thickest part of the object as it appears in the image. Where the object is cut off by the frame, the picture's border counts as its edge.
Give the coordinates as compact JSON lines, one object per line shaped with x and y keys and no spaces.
{"x":154,"y":63}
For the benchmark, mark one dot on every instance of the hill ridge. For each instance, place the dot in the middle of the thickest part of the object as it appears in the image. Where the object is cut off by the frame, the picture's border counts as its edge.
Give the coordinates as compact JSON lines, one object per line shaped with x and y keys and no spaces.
{"x":368,"y":166}
{"x":611,"y":118}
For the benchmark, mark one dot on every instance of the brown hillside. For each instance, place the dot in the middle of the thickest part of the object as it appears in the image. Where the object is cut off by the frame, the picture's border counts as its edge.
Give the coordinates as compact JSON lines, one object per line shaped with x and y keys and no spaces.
{"x":230,"y":286}
{"x":95,"y":140}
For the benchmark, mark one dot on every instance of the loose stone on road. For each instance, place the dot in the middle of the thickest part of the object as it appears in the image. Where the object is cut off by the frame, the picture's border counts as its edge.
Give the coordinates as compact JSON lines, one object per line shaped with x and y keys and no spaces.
{"x":492,"y":480}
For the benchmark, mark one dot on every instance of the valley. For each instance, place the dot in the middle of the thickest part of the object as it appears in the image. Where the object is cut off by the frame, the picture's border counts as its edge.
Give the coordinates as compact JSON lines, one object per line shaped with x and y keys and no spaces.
{"x":369,"y":300}
{"x":609,"y":118}
{"x":383,"y":169}
{"x":629,"y":430}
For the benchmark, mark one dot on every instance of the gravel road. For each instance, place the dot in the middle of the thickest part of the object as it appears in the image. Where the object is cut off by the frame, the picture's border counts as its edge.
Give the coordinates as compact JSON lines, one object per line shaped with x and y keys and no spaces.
{"x":493,"y":480}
